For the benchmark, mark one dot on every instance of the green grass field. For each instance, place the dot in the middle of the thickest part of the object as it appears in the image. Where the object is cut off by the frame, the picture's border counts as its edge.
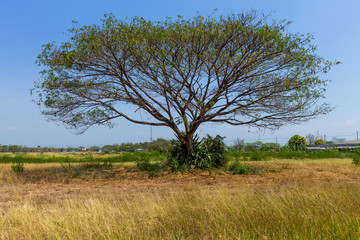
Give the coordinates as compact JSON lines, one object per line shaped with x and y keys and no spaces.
{"x":156,"y":156}
{"x":77,"y":157}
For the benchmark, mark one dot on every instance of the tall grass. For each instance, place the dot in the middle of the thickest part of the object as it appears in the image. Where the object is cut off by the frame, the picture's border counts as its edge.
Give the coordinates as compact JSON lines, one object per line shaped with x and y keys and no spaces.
{"x":291,"y":212}
{"x":306,"y":199}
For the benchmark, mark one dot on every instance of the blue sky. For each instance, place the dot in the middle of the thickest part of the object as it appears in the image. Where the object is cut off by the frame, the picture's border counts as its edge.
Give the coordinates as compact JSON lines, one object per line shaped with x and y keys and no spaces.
{"x":25,"y":25}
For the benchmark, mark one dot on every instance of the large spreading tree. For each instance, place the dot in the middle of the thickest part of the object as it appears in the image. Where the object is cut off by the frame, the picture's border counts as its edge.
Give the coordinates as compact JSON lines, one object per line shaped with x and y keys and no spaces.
{"x":240,"y":69}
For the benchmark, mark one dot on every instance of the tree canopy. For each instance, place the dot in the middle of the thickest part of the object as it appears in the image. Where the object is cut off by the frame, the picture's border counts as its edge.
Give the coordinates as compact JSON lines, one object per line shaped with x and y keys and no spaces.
{"x":297,"y":142}
{"x":241,"y":69}
{"x":319,"y":142}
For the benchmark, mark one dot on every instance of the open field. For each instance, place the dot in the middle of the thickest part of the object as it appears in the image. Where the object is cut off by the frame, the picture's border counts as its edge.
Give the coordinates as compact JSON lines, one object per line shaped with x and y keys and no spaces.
{"x":292,"y":199}
{"x":86,"y":157}
{"x":79,"y":157}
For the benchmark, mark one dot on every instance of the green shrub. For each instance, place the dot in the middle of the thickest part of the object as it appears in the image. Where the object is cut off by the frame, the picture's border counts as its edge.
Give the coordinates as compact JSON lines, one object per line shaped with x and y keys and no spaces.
{"x":257,"y":156}
{"x":357,"y":150}
{"x":209,"y":153}
{"x":217,"y":150}
{"x":98,"y":165}
{"x":356,"y":159}
{"x":18,"y":167}
{"x":146,"y":165}
{"x":152,"y":169}
{"x":238,"y":168}
{"x":200,"y":159}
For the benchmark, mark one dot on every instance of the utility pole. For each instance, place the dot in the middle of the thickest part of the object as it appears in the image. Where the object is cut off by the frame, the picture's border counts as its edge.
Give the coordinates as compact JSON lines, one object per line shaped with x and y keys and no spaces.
{"x":357,"y":135}
{"x":276,"y":140}
{"x":150,"y":133}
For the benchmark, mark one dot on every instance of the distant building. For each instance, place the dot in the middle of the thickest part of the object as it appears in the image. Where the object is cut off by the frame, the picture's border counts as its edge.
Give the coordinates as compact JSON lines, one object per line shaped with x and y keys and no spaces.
{"x":342,"y":145}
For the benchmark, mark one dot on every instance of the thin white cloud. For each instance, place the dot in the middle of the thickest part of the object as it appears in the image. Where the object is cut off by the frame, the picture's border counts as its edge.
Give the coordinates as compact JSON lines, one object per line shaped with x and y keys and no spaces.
{"x":11,"y":128}
{"x":350,"y":122}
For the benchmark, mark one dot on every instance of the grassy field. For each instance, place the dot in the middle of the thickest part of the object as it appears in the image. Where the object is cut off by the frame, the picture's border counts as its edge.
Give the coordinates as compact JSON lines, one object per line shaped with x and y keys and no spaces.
{"x":291,"y":199}
{"x":77,"y":157}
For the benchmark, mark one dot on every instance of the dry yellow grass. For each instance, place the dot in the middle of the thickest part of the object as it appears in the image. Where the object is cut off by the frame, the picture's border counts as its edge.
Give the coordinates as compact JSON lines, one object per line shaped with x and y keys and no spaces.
{"x":295,"y":200}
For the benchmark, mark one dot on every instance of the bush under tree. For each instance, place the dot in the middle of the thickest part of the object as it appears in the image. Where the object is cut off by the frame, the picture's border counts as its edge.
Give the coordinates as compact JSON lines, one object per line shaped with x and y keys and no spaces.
{"x":208,"y":153}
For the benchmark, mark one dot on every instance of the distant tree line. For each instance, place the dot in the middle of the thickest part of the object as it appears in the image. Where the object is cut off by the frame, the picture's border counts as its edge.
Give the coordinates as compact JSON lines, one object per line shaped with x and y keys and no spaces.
{"x":317,"y":139}
{"x":39,"y":149}
{"x":295,"y":143}
{"x":240,"y":146}
{"x":18,"y":148}
{"x":160,"y":145}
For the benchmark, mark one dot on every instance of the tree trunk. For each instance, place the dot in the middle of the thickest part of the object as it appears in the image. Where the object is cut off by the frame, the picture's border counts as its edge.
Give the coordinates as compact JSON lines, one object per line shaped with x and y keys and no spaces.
{"x":189,"y":149}
{"x":187,"y":145}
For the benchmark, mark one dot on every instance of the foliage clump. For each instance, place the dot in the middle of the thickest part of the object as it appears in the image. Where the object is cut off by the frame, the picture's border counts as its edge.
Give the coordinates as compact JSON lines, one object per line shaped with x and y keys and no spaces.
{"x":207,"y":153}
{"x":297,"y":142}
{"x":356,"y":159}
{"x":319,"y":142}
{"x":238,"y":168}
{"x":217,"y":150}
{"x":18,"y":167}
{"x":356,"y":156}
{"x":153,"y":169}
